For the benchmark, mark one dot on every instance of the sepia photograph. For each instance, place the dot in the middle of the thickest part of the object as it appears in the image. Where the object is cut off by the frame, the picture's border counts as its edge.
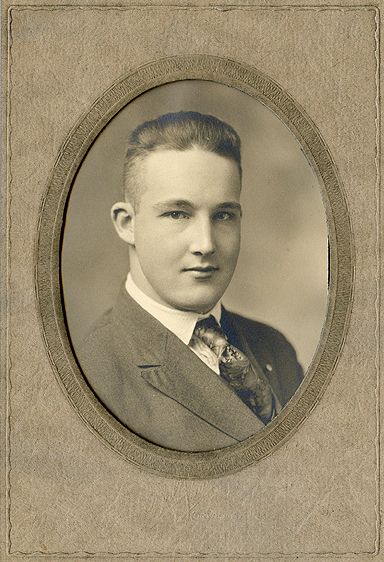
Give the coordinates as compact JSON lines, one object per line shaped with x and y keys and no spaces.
{"x":194,"y":266}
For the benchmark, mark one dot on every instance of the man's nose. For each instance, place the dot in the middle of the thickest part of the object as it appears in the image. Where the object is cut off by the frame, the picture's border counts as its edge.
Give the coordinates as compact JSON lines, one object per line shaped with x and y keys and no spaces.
{"x":203,"y":239}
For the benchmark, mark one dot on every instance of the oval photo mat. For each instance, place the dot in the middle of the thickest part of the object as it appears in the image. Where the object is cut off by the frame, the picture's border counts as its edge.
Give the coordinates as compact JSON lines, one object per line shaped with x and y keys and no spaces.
{"x":225,"y":74}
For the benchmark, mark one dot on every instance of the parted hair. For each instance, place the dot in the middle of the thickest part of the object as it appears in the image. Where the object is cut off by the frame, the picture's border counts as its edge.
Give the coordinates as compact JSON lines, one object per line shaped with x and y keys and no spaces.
{"x":181,"y":131}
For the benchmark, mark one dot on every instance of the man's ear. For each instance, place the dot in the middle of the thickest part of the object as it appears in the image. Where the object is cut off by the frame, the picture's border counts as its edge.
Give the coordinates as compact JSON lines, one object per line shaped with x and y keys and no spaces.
{"x":123,"y":218}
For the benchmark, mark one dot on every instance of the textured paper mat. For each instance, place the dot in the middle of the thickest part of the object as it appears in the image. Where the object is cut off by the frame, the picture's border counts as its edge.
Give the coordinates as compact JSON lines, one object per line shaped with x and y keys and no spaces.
{"x":66,"y":494}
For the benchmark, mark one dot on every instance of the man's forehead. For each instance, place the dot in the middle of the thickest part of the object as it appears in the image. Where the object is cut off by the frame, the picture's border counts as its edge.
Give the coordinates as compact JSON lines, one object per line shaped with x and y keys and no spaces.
{"x":164,"y":160}
{"x":193,"y":174}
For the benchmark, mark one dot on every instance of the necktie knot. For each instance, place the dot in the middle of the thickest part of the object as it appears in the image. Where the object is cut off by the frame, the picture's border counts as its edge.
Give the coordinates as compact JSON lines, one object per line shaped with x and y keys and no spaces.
{"x":210,"y":332}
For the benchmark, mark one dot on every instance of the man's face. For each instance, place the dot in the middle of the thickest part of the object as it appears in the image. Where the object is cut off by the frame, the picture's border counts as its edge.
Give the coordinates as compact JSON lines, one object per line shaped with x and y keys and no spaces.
{"x":187,"y":228}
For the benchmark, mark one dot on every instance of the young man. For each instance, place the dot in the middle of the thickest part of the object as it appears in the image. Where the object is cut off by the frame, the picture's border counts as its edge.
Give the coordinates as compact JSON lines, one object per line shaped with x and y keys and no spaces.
{"x":168,"y":360}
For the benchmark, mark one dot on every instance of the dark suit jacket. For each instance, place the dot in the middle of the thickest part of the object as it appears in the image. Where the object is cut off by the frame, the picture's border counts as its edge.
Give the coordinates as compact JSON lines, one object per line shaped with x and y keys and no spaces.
{"x":160,"y":389}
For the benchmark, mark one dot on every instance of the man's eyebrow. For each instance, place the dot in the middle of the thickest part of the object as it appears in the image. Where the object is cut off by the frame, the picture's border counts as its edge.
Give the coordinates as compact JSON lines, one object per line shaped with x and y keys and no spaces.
{"x":180,"y":203}
{"x":230,"y":205}
{"x":183,"y":204}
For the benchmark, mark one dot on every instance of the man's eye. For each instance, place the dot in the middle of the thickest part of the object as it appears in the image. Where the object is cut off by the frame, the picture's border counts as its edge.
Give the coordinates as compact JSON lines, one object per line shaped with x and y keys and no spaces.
{"x":176,"y":215}
{"x":224,"y":216}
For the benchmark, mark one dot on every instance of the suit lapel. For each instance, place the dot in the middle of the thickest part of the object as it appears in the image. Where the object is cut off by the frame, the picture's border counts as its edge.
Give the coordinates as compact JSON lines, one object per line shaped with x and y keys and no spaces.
{"x":171,"y":367}
{"x":190,"y":382}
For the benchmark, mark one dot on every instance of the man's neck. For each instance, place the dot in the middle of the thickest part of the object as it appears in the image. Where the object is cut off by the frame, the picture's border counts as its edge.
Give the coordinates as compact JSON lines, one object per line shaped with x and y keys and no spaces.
{"x":180,"y":322}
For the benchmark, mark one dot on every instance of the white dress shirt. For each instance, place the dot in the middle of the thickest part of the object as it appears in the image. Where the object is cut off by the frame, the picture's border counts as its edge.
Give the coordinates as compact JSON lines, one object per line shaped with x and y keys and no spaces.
{"x":181,"y":323}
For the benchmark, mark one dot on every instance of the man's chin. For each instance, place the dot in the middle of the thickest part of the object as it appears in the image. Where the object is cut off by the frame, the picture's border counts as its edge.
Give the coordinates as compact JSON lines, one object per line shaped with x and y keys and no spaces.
{"x":201,"y":306}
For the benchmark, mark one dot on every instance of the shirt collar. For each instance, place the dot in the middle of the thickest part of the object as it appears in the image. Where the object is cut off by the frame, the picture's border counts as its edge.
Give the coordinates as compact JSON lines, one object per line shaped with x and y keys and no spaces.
{"x":181,"y":323}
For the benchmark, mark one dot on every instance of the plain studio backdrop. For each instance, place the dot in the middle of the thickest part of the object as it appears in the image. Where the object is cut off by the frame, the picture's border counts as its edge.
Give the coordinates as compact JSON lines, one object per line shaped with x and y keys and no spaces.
{"x":281,"y":276}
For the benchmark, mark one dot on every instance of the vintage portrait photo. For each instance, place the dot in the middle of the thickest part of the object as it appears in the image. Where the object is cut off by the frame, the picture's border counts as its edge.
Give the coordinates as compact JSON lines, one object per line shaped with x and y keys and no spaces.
{"x":194,"y":266}
{"x":191,"y":263}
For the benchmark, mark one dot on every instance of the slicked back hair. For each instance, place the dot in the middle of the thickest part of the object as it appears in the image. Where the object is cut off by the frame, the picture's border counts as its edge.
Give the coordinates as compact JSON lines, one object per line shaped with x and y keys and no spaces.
{"x":181,"y":131}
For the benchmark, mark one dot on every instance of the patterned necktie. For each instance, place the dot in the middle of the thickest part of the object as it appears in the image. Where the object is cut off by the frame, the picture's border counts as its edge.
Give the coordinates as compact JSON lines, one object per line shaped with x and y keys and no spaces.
{"x":237,"y":371}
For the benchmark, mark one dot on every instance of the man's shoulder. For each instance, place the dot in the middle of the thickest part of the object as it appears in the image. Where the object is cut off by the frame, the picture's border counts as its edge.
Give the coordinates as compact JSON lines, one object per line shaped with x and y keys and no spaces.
{"x":256,"y":330}
{"x":116,"y":322}
{"x":123,"y":331}
{"x":100,"y":326}
{"x":96,"y":347}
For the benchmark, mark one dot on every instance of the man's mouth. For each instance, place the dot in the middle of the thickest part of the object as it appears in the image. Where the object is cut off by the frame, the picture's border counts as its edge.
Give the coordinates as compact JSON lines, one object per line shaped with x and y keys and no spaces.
{"x":202,"y":272}
{"x":202,"y":269}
